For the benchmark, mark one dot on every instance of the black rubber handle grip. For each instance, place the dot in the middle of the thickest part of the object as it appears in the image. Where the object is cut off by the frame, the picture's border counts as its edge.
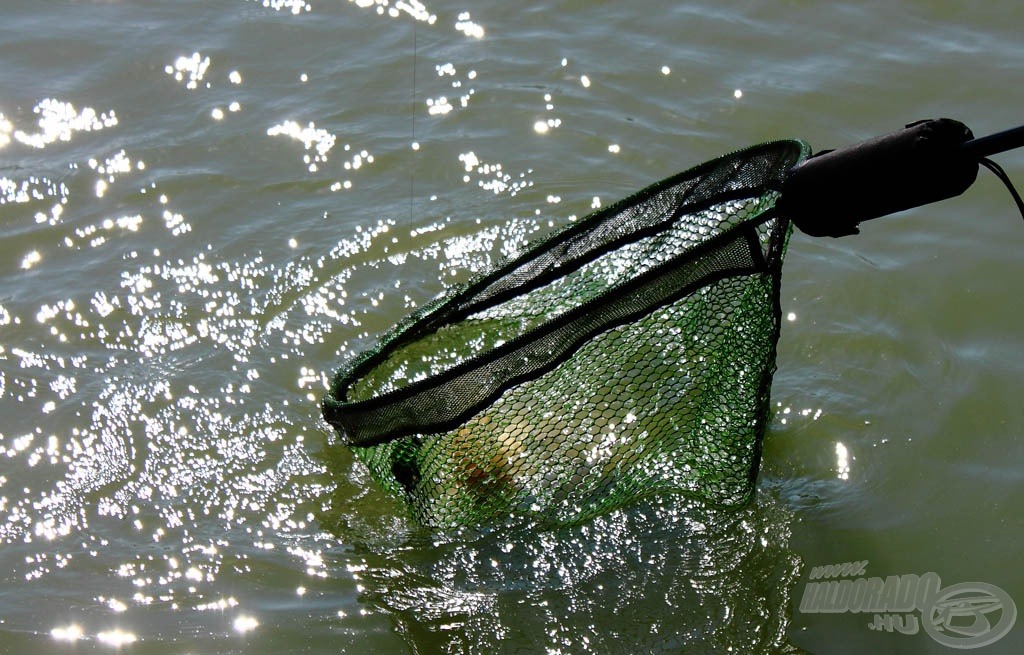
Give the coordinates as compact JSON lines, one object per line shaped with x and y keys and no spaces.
{"x":832,"y":193}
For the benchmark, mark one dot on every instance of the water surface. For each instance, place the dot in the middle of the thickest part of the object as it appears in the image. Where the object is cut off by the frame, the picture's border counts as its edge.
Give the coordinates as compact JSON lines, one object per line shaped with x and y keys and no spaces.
{"x":205,"y":208}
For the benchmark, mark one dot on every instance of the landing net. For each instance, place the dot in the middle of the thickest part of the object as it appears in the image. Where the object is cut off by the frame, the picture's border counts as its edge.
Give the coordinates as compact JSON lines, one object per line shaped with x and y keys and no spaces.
{"x":628,"y":354}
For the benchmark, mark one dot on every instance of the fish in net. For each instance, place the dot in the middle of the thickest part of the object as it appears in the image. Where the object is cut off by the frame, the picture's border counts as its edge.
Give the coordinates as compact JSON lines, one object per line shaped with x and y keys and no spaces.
{"x":630,"y":353}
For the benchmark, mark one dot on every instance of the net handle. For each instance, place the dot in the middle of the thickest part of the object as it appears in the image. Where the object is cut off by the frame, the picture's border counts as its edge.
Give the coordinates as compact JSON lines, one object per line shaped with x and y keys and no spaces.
{"x":993,"y":144}
{"x":831,"y":193}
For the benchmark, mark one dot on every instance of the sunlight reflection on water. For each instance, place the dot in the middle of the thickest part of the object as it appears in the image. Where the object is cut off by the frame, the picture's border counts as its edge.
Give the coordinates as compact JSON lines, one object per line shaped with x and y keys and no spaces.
{"x":165,"y":447}
{"x":205,"y":209}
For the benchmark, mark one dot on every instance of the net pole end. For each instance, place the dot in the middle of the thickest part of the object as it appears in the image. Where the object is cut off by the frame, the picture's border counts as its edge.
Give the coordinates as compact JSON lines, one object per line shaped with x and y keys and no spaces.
{"x":832,"y":193}
{"x":993,"y":144}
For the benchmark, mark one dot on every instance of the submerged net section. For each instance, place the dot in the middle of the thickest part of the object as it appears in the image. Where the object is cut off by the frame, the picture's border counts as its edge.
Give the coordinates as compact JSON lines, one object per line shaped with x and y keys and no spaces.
{"x":628,"y":354}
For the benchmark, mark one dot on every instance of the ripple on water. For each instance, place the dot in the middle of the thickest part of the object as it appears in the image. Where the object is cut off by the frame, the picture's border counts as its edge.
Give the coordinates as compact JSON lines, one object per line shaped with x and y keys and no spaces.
{"x":162,"y":463}
{"x":661,"y":576}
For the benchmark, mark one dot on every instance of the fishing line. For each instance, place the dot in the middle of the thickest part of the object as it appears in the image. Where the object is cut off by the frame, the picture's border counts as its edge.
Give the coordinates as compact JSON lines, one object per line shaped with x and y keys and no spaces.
{"x":993,"y":144}
{"x":412,"y":120}
{"x":1005,"y":179}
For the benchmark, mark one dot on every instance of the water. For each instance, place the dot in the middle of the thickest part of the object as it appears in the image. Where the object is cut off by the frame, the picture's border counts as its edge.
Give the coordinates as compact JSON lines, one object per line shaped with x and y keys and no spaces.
{"x":207,"y":207}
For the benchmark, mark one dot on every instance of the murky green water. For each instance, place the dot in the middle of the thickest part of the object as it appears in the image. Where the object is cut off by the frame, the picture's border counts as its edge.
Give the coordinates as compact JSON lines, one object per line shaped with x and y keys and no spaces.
{"x":206,"y":207}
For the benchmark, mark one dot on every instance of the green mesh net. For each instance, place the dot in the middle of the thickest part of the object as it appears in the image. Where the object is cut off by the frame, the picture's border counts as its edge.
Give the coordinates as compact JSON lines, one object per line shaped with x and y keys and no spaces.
{"x":628,"y":354}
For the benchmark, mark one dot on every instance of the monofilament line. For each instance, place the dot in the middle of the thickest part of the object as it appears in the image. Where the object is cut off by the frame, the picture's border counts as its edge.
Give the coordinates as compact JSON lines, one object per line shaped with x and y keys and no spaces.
{"x":412,"y":120}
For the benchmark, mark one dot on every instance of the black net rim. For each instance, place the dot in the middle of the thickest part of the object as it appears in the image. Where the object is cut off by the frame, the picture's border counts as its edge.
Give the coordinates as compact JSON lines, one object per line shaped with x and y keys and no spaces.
{"x":361,"y":422}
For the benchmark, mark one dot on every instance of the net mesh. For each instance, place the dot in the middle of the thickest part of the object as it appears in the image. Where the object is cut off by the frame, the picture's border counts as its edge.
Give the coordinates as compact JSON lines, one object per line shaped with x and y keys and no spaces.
{"x":628,"y":354}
